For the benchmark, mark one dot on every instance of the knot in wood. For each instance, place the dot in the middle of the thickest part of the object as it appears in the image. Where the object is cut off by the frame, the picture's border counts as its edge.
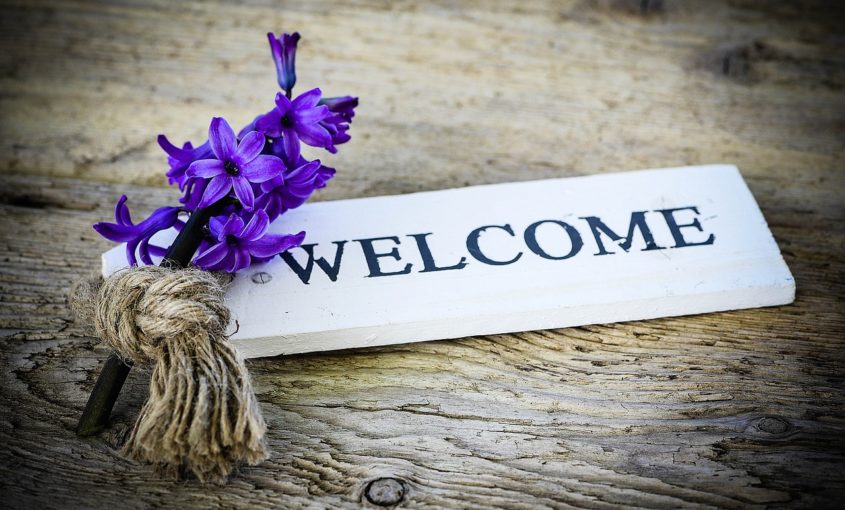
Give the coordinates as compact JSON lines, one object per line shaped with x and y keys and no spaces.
{"x":385,"y":491}
{"x":773,"y":425}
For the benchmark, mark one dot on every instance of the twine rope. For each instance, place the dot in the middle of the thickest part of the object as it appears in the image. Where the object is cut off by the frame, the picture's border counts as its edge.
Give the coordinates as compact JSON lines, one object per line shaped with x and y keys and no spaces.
{"x":201,"y":414}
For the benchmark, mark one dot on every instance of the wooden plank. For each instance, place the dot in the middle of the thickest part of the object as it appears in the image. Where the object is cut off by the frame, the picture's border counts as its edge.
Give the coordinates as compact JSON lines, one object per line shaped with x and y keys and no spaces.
{"x":697,"y":243}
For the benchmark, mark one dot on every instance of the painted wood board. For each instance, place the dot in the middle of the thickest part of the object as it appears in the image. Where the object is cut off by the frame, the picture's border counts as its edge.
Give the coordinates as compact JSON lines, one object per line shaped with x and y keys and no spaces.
{"x":508,"y":257}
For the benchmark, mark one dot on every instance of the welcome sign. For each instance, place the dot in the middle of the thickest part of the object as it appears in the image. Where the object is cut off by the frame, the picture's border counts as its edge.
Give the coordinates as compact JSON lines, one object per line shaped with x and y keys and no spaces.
{"x":508,"y":257}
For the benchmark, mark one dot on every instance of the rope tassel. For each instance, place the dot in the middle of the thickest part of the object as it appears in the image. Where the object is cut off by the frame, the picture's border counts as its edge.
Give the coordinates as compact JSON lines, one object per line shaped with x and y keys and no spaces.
{"x":202,"y":414}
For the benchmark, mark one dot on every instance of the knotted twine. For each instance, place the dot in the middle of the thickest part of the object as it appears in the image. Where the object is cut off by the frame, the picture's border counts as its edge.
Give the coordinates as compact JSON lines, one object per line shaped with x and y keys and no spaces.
{"x":201,"y":414}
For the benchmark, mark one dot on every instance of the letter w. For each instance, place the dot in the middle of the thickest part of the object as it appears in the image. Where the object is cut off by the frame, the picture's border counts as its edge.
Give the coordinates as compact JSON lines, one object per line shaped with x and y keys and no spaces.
{"x":304,"y":273}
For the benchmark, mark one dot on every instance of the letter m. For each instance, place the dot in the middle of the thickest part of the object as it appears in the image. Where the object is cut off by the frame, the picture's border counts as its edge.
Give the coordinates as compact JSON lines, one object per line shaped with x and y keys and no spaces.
{"x":638,"y":222}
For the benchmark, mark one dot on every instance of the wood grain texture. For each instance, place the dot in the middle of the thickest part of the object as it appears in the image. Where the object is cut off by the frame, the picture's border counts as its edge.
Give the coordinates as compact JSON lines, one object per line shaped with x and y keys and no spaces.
{"x":736,"y":410}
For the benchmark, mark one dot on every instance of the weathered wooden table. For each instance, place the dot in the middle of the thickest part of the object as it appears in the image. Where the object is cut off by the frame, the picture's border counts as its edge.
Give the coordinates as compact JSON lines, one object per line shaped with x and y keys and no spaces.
{"x":736,"y":410}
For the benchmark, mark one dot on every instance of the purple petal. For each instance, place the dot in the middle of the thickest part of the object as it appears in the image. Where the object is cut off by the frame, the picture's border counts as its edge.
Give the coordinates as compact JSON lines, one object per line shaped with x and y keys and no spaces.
{"x":283,"y":104}
{"x":314,"y":135}
{"x":310,"y":115}
{"x":121,"y":211}
{"x":217,"y":188}
{"x":270,"y":123}
{"x":341,"y":137}
{"x":212,"y":256}
{"x":275,"y":48}
{"x":144,"y":251}
{"x":176,"y":175}
{"x":157,"y":251}
{"x":291,"y":144}
{"x":296,"y":195}
{"x":206,"y":168}
{"x":345,"y":106}
{"x":240,"y":259}
{"x":273,"y":244}
{"x":169,"y":148}
{"x":304,"y":171}
{"x":324,"y":173}
{"x":194,"y":188}
{"x":244,"y":192}
{"x":130,"y":253}
{"x":270,"y":203}
{"x":256,"y":227}
{"x":262,"y":168}
{"x":329,"y":126}
{"x":272,"y":184}
{"x":216,"y":225}
{"x":250,"y":146}
{"x":308,"y":99}
{"x":160,"y":219}
{"x":233,"y":227}
{"x":222,"y":138}
{"x":226,"y":263}
{"x":116,"y":233}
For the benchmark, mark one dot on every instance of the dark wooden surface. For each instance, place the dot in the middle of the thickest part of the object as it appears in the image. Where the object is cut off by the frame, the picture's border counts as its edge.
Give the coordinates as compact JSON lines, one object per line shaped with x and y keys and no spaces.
{"x":742,"y":409}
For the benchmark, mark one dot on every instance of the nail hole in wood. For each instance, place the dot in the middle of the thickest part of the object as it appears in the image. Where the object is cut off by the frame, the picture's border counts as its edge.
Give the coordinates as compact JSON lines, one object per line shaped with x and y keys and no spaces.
{"x":261,"y":278}
{"x":385,"y":491}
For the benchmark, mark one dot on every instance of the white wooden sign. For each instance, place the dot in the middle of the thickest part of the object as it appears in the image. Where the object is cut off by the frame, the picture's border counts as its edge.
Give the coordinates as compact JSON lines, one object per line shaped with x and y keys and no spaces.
{"x":508,"y":257}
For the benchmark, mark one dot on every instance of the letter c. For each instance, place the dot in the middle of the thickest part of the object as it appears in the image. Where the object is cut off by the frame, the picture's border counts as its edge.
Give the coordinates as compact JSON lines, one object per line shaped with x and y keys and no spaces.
{"x":475,"y":251}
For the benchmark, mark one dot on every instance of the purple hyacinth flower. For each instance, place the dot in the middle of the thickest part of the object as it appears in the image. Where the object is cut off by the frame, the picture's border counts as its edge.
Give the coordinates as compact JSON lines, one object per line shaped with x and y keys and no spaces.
{"x":337,"y":129}
{"x":343,"y":106}
{"x":194,"y":190}
{"x":180,"y":159}
{"x":290,"y":190}
{"x":283,"y":50}
{"x":236,"y":165}
{"x":337,"y":124}
{"x":324,"y":174}
{"x":296,"y":120}
{"x":240,"y":244}
{"x":137,"y":237}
